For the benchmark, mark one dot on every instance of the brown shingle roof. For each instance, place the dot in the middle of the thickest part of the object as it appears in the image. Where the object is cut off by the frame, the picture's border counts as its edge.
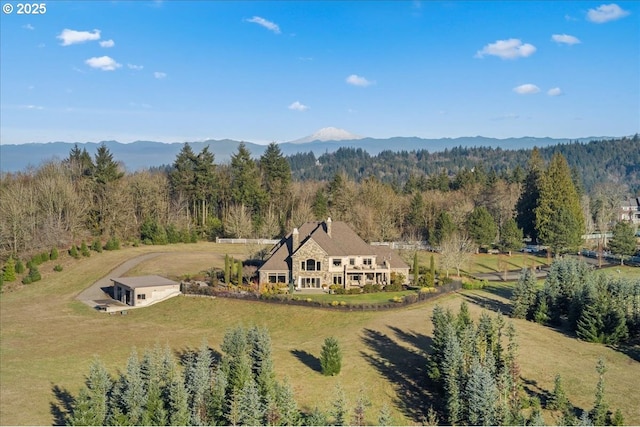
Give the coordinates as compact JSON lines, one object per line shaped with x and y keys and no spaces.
{"x":343,"y":242}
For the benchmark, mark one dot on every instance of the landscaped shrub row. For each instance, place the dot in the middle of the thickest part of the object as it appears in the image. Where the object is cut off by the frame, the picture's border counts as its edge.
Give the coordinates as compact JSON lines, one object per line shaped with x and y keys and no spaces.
{"x":301,"y":300}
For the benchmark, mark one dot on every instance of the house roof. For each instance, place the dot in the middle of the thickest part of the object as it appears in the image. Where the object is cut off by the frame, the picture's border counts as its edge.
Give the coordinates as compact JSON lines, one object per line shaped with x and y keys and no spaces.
{"x":342,"y":242}
{"x":144,"y":281}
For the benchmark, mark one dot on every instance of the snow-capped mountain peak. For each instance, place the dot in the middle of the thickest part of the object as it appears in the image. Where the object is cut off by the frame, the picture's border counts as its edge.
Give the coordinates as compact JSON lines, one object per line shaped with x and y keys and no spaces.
{"x":328,"y":134}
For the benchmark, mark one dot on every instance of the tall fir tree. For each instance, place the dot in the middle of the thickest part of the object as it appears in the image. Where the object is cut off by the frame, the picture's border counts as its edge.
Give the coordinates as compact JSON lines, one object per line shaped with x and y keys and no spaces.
{"x":331,"y":357}
{"x":623,"y":241}
{"x":529,"y":198}
{"x":559,"y":219}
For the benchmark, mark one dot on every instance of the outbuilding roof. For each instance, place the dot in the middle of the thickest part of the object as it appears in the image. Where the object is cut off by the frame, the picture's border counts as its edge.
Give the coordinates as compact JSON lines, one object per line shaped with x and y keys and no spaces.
{"x":144,"y":281}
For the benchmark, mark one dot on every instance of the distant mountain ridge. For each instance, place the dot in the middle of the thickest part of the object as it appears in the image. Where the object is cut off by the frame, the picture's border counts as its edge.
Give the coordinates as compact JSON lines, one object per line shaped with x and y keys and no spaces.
{"x":145,"y":154}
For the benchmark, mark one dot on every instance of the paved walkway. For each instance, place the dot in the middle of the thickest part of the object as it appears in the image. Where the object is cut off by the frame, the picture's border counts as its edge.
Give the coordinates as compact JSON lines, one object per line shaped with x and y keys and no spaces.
{"x":95,"y":295}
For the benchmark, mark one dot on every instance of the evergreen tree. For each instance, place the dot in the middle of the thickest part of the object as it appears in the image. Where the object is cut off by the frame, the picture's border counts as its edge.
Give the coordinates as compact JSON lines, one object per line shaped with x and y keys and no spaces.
{"x":83,"y":413}
{"x":236,"y":362}
{"x":510,"y":236}
{"x":259,"y":343}
{"x":250,"y":408}
{"x":9,"y":270}
{"x":416,"y":269}
{"x":53,"y":255}
{"x":599,"y":412}
{"x":74,"y":252}
{"x":198,"y":384}
{"x":316,"y":418}
{"x":245,"y":181}
{"x":384,"y":416}
{"x":432,"y":271}
{"x":359,"y":410}
{"x":444,"y":228}
{"x":529,"y":198}
{"x":618,"y":418}
{"x":239,"y":273}
{"x":524,"y":295}
{"x":451,"y":370}
{"x":218,"y":401}
{"x":227,"y":270}
{"x":19,"y":266}
{"x":623,"y":242}
{"x":320,"y":205}
{"x":559,"y":219}
{"x":415,"y":216}
{"x":287,"y":406}
{"x":481,"y":395}
{"x":339,"y":406}
{"x":176,"y":398}
{"x":481,"y":226}
{"x":84,"y":250}
{"x":558,"y":400}
{"x":331,"y":357}
{"x":106,"y":169}
{"x":276,"y":174}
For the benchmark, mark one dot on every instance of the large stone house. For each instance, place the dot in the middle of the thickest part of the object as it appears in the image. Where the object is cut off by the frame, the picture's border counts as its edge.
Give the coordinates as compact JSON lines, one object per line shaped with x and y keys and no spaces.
{"x":320,"y":254}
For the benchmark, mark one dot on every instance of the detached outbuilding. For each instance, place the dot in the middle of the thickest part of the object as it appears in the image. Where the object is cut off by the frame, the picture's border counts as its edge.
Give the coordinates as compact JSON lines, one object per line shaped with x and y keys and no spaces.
{"x":144,"y":290}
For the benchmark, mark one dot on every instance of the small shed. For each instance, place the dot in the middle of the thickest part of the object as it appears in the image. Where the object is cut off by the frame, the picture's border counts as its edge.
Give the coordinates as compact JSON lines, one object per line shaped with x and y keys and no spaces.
{"x":144,"y":290}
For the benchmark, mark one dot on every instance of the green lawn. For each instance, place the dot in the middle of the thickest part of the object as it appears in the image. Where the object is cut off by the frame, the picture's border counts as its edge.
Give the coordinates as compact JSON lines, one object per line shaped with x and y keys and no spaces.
{"x":47,"y":340}
{"x":484,"y":263}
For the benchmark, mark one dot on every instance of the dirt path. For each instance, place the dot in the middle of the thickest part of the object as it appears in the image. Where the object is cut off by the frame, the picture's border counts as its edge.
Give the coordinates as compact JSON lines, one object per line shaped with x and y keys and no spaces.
{"x":94,"y":293}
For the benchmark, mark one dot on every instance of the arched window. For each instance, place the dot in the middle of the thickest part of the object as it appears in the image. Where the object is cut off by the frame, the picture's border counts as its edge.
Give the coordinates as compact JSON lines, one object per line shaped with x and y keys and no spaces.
{"x":311,"y":264}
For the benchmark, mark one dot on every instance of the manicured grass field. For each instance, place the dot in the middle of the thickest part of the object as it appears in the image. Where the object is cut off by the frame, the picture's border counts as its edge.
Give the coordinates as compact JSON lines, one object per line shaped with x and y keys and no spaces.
{"x":47,"y":340}
{"x":375,"y":298}
{"x":484,"y":263}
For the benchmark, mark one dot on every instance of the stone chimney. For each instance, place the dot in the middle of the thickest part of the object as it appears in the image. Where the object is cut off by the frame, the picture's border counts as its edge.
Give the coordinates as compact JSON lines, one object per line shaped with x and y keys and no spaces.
{"x":295,"y":239}
{"x":328,"y":223}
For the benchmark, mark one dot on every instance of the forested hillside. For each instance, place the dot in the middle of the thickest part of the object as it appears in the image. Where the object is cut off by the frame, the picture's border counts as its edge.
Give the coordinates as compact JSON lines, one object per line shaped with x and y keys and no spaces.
{"x":615,"y":160}
{"x":484,"y":196}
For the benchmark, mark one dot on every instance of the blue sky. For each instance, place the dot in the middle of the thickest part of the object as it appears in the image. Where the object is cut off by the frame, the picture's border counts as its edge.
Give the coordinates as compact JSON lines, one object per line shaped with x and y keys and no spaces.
{"x":277,"y":71}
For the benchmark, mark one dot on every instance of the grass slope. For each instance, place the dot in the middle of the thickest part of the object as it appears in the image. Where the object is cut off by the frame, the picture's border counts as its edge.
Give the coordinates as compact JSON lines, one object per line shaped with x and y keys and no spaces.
{"x":47,"y":340}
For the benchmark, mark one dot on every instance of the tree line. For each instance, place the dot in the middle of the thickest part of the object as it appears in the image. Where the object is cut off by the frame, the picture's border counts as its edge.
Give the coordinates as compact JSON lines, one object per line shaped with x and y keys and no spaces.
{"x":62,"y":203}
{"x":596,"y":307}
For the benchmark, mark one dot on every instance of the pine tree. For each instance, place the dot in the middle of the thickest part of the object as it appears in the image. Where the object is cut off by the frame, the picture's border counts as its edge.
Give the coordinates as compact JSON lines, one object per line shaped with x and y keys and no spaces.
{"x":53,"y":255}
{"x":451,"y":370}
{"x":511,"y":236}
{"x":432,"y":271}
{"x":176,"y":398}
{"x":339,"y":406}
{"x":524,"y":295}
{"x":9,"y":271}
{"x":599,"y":412}
{"x":623,"y":242}
{"x":559,"y":400}
{"x":618,"y":418}
{"x":316,"y":418}
{"x":384,"y":416}
{"x":239,"y":272}
{"x":218,"y":401}
{"x":259,"y":343}
{"x":74,"y":251}
{"x":250,"y":408}
{"x":287,"y":406}
{"x":83,"y":413}
{"x":529,"y":198}
{"x":541,"y":313}
{"x":481,"y":395}
{"x":559,"y":218}
{"x":481,"y":226}
{"x":331,"y":357}
{"x":84,"y":250}
{"x":198,"y":384}
{"x":359,"y":410}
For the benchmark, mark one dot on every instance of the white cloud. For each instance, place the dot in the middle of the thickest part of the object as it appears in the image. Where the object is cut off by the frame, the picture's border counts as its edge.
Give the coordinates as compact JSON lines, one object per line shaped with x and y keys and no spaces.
{"x":135,"y":67}
{"x":606,"y":13}
{"x":104,"y":63}
{"x":70,"y":37}
{"x":107,"y":43}
{"x":526,"y":89}
{"x":297,"y":106}
{"x":565,"y":38}
{"x":556,"y":91}
{"x":28,"y":27}
{"x":266,"y":24}
{"x":159,"y":75}
{"x":357,"y":80}
{"x":507,"y":49}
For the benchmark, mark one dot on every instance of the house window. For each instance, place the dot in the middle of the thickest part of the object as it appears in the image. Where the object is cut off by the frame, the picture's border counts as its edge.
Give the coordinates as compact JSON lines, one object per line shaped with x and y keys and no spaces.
{"x":141,"y":296}
{"x":273,"y":278}
{"x":337,"y":262}
{"x":311,"y":265}
{"x":366,"y":261}
{"x":282,"y":278}
{"x":352,"y":261}
{"x":337,"y":279}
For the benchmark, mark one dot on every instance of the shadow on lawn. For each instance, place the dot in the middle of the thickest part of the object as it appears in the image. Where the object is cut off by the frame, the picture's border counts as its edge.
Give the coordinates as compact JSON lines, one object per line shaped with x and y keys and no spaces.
{"x":405,"y":368}
{"x":62,"y":408}
{"x":488,"y":303}
{"x":308,"y":359}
